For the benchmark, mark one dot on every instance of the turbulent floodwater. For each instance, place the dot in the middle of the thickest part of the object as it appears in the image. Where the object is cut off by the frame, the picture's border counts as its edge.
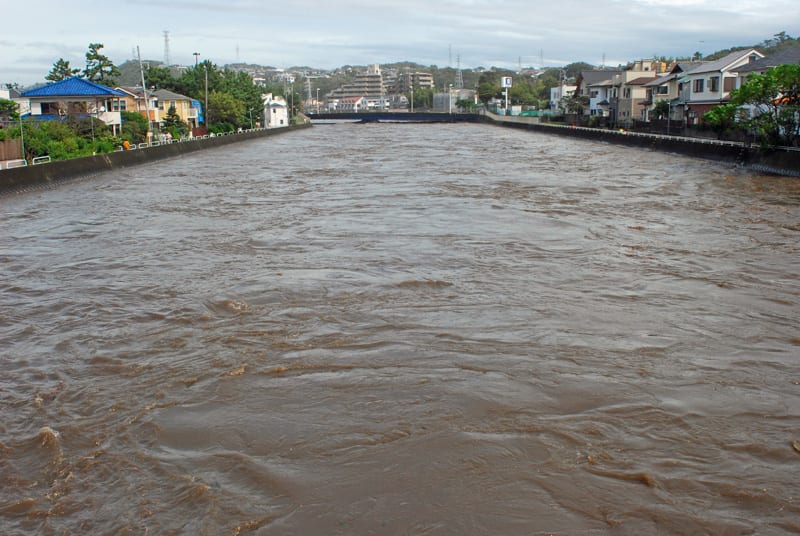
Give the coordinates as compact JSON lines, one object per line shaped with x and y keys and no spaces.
{"x":403,"y":329}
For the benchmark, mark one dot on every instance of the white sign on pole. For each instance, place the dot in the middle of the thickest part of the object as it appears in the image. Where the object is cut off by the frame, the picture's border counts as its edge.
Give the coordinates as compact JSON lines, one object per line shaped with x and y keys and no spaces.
{"x":506,"y":82}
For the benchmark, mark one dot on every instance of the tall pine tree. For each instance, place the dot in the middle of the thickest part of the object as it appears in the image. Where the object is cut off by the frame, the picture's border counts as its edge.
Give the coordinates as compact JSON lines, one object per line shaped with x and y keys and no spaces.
{"x":61,"y":71}
{"x":99,"y":68}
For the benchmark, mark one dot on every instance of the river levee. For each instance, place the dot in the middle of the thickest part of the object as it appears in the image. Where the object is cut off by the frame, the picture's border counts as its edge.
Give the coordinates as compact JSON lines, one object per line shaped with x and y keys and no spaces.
{"x":403,"y":329}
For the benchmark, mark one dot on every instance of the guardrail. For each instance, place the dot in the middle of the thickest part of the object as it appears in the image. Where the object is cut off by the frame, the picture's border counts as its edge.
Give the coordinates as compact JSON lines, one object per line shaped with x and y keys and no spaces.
{"x":11,"y":164}
{"x":46,"y":159}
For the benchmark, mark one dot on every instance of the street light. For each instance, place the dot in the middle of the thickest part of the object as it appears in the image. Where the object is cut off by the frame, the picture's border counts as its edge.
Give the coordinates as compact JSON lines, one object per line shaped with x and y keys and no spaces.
{"x":450,"y":99}
{"x":317,"y":101}
{"x":196,"y":56}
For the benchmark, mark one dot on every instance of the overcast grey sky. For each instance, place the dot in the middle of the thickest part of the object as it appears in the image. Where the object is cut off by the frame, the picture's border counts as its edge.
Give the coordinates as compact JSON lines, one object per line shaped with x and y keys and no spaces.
{"x":331,"y":33}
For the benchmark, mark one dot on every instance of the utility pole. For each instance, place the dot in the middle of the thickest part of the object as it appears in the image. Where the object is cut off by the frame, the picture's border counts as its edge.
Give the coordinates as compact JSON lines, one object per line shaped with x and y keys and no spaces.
{"x":144,"y":94}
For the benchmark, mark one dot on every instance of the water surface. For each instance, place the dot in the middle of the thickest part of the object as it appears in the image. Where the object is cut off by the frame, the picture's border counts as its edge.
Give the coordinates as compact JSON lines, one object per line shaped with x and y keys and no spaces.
{"x":403,"y":329}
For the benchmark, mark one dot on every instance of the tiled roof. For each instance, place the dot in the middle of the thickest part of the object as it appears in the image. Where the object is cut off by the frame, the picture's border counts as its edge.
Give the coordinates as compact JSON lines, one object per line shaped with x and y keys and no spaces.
{"x":641,"y":81}
{"x":73,"y":87}
{"x":163,"y":94}
{"x":722,"y":63}
{"x":787,"y":55}
{"x":596,"y":76}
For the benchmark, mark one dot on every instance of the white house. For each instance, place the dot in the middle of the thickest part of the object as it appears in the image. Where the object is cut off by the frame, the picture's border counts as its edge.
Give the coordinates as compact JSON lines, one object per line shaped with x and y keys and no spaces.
{"x":352,"y":104}
{"x":711,"y":83}
{"x":276,"y":111}
{"x":559,"y":92}
{"x":596,"y":85}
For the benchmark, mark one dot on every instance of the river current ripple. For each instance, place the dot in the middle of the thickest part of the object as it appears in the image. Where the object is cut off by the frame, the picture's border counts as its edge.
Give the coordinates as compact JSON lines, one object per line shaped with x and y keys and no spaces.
{"x":403,"y":329}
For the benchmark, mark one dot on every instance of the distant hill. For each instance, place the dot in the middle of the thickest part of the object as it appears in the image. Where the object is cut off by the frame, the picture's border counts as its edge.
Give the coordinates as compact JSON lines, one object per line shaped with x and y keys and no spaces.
{"x":778,"y":42}
{"x":130,"y":75}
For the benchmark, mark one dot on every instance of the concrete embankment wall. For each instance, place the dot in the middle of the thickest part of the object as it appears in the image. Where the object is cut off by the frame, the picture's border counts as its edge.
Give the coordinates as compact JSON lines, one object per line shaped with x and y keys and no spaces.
{"x":43,"y":175}
{"x":782,"y":161}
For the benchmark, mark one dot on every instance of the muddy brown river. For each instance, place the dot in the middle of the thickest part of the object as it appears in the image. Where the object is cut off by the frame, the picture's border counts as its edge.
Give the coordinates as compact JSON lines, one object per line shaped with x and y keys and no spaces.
{"x":403,"y":329}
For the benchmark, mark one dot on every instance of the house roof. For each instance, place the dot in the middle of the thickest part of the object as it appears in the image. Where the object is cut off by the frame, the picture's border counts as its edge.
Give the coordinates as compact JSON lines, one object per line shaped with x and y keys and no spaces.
{"x":661,"y":80}
{"x":133,"y":91}
{"x":782,"y":57}
{"x":678,"y":69}
{"x":73,"y":87}
{"x":722,"y":63}
{"x":163,"y":94}
{"x":641,"y":81}
{"x":592,"y":78}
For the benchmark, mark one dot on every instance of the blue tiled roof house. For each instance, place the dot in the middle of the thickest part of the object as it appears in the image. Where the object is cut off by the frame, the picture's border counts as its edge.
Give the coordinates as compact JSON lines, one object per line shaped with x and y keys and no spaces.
{"x":75,"y":97}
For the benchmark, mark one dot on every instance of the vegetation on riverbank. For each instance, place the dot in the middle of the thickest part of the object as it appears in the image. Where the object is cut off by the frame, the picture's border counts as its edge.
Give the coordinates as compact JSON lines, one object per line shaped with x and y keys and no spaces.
{"x":231,"y":100}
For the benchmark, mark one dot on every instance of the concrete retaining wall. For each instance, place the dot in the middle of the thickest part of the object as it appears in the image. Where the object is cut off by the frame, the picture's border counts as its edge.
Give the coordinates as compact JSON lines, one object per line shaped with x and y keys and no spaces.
{"x":43,"y":175}
{"x":781,"y":161}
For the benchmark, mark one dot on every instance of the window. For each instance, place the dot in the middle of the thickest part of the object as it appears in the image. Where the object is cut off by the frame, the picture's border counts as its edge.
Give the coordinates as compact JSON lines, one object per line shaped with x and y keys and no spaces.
{"x":594,"y":94}
{"x":626,"y":93}
{"x":50,"y":108}
{"x":118,"y":106}
{"x":698,"y":86}
{"x":713,"y":83}
{"x":663,"y":90}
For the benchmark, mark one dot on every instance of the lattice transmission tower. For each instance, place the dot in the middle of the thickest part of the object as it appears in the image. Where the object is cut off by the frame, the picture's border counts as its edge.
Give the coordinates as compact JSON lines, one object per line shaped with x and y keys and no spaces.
{"x":459,"y":74}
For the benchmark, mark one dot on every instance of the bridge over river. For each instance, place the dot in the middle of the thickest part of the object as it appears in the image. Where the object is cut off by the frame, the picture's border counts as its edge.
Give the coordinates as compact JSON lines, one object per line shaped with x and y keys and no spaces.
{"x":402,"y":329}
{"x":394,"y":117}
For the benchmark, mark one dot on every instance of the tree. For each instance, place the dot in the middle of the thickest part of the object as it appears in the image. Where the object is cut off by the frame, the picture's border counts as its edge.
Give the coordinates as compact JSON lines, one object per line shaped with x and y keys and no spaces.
{"x":224,"y":110}
{"x":134,"y":127}
{"x":722,"y":118}
{"x":8,"y":110}
{"x":661,"y":109}
{"x":99,"y":68}
{"x":61,"y":71}
{"x":160,"y":78}
{"x":174,"y":124}
{"x":774,"y":98}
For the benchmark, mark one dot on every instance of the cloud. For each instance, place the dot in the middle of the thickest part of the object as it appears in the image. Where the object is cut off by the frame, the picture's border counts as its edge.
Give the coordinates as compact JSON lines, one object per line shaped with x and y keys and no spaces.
{"x":329,"y":34}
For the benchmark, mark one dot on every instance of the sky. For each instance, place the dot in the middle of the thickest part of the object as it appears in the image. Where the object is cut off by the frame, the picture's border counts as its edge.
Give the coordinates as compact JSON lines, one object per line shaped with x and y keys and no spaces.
{"x":331,"y":33}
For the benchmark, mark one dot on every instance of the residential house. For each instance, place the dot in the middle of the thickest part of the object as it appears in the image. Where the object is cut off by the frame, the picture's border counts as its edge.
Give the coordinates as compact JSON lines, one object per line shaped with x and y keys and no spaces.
{"x":276,"y":112}
{"x":78,"y":98}
{"x":711,"y":83}
{"x":629,"y":92}
{"x":134,"y":101}
{"x":786,"y":56}
{"x":665,"y":88}
{"x":762,"y":65}
{"x":13,"y":94}
{"x":352,"y":104}
{"x":596,"y":85}
{"x":183,"y":106}
{"x":563,"y":90}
